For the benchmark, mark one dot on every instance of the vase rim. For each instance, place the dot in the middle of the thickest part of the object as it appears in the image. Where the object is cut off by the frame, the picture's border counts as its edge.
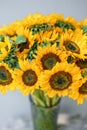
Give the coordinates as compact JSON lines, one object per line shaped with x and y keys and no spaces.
{"x":30,"y":98}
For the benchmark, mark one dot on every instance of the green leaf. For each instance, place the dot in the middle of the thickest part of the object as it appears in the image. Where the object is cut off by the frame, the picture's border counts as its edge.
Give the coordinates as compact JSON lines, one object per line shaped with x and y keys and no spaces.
{"x":70,"y":59}
{"x":1,"y":38}
{"x":64,"y":25}
{"x":84,"y":28}
{"x":57,"y":41}
{"x":12,"y":59}
{"x":45,"y":43}
{"x":20,"y":39}
{"x":32,"y":51}
{"x":39,"y":27}
{"x":84,"y":74}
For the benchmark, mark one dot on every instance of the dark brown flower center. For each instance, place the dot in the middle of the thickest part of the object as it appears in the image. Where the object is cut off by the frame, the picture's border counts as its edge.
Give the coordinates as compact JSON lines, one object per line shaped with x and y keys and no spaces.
{"x":23,"y":46}
{"x":82,"y":63}
{"x":5,"y":76}
{"x":49,"y":60}
{"x":60,"y":80}
{"x":83,"y":88}
{"x":29,"y":77}
{"x":72,"y":46}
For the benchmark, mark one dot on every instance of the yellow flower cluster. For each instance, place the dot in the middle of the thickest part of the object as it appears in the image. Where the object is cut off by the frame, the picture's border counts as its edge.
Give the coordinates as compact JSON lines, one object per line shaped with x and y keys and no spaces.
{"x":48,"y":53}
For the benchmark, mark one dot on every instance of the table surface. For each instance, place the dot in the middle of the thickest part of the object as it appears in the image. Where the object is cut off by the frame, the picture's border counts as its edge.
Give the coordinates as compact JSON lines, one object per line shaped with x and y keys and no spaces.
{"x":65,"y":121}
{"x":71,"y":117}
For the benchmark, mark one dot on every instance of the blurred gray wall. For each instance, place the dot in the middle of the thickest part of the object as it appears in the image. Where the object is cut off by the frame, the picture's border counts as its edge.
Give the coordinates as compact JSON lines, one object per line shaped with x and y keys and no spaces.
{"x":14,"y":104}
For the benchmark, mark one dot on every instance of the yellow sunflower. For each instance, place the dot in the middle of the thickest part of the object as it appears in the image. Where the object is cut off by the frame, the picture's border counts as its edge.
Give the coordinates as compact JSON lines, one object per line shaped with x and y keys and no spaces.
{"x":74,"y":43}
{"x":26,"y":33}
{"x":11,"y":29}
{"x":52,"y":18}
{"x":60,"y":80}
{"x":83,"y":22}
{"x":48,"y":56}
{"x":13,"y":38}
{"x":79,"y":93}
{"x":38,"y":18}
{"x":72,"y":21}
{"x":33,"y":19}
{"x":49,"y":35}
{"x":25,"y":46}
{"x":5,"y":48}
{"x":82,"y":63}
{"x":7,"y":78}
{"x":27,"y":77}
{"x":22,"y":55}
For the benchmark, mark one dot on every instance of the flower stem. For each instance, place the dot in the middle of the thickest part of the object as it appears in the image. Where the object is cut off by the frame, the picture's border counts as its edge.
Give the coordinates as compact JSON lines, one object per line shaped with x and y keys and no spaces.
{"x":41,"y":99}
{"x":38,"y":101}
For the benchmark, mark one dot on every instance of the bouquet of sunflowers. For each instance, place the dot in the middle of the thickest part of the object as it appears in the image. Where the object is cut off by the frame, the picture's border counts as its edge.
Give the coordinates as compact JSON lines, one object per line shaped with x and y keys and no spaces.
{"x":45,"y":56}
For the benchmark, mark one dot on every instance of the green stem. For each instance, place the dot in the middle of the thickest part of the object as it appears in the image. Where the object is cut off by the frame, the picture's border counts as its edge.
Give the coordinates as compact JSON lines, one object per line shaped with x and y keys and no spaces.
{"x":41,"y":99}
{"x":38,"y":101}
{"x":47,"y":101}
{"x":55,"y":100}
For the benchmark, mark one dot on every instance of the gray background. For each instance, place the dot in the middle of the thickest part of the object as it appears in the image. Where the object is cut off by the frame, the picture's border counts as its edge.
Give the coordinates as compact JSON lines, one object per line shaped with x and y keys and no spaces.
{"x":14,"y":104}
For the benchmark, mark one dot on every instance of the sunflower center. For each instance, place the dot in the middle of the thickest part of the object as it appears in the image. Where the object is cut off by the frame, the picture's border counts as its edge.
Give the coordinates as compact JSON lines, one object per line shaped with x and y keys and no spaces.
{"x":82,"y":63}
{"x":83,"y":88}
{"x":29,"y":77}
{"x":23,"y":46}
{"x":5,"y":76}
{"x":60,"y":80}
{"x":49,"y":60}
{"x":72,"y":46}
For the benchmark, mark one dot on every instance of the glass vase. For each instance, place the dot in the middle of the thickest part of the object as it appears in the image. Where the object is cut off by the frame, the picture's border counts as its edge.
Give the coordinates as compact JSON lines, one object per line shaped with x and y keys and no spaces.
{"x":45,"y":118}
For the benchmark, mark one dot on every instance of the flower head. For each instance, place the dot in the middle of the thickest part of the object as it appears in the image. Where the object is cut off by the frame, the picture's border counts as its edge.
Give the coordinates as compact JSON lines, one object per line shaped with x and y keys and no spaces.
{"x":46,"y":53}
{"x":7,"y":78}
{"x":60,"y":80}
{"x":27,"y":77}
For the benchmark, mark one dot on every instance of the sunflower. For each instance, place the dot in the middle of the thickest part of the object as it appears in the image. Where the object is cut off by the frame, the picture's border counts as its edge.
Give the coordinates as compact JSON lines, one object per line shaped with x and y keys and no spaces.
{"x":27,"y":77}
{"x":82,"y":63}
{"x":30,"y":40}
{"x":80,"y":93}
{"x":48,"y":56}
{"x":38,"y":18}
{"x":74,"y":43}
{"x":83,"y":23}
{"x":72,"y":21}
{"x":7,"y":78}
{"x":5,"y":47}
{"x":49,"y":35}
{"x":13,"y":38}
{"x":33,"y":20}
{"x":52,"y":18}
{"x":22,"y":55}
{"x":60,"y":80}
{"x":11,"y":29}
{"x":24,"y":41}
